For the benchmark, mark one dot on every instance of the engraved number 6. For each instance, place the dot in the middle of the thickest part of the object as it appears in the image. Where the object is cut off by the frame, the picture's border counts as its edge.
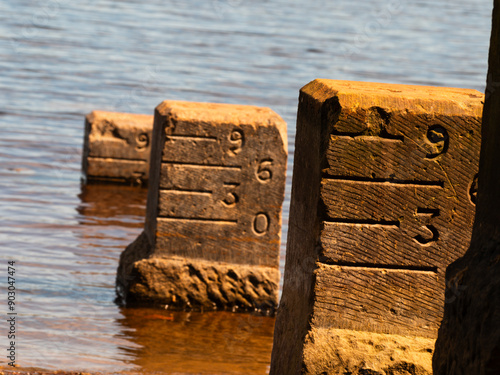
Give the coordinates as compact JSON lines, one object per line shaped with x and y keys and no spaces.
{"x":264,"y":173}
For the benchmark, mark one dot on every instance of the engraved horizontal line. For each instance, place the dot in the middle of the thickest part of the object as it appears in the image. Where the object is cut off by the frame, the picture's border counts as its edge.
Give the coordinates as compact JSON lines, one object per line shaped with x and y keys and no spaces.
{"x":197,"y":165}
{"x":388,"y":138}
{"x":119,"y":180}
{"x":199,"y":220}
{"x":363,"y":222}
{"x":384,"y":181}
{"x":380,"y":267}
{"x":191,"y":137}
{"x":111,"y":158}
{"x":185,"y":191}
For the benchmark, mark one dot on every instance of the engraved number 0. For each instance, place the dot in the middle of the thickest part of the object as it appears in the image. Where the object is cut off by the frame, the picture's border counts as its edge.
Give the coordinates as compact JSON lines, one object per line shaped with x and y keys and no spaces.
{"x":260,"y":223}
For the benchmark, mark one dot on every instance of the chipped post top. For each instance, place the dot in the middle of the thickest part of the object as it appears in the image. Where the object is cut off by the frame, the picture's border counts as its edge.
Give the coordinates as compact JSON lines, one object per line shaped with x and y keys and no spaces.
{"x":398,"y":97}
{"x":222,"y":113}
{"x":125,"y":119}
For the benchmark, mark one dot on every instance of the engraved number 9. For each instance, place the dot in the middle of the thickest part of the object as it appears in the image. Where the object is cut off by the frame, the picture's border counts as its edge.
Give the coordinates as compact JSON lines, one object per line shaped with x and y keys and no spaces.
{"x":236,"y":138}
{"x":142,"y":141}
{"x":438,"y":137}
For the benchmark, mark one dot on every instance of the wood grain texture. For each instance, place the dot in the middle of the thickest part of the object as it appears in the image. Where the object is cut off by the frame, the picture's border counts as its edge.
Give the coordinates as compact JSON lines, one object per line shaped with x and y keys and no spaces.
{"x":221,"y":178}
{"x":110,"y":169}
{"x":197,"y":177}
{"x":292,"y":322}
{"x":397,"y":190}
{"x":378,"y":300}
{"x":218,"y":240}
{"x":408,"y":169}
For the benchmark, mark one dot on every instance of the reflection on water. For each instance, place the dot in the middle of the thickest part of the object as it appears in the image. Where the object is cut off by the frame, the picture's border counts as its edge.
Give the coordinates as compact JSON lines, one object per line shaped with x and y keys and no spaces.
{"x":151,"y":340}
{"x":201,"y":343}
{"x":112,"y":204}
{"x":68,"y":317}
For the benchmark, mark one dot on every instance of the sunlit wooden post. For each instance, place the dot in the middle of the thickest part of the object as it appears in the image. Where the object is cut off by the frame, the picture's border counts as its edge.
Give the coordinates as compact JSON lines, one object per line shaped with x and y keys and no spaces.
{"x":213,"y":224}
{"x":383,"y":199}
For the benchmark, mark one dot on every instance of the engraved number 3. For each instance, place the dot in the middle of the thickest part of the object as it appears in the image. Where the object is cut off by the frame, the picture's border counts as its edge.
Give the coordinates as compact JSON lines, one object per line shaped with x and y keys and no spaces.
{"x":429,"y":240}
{"x":231,"y":197}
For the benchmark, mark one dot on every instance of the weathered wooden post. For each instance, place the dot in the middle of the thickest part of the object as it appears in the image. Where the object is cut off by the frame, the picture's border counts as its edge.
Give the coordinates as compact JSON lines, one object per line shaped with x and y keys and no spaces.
{"x":117,"y":146}
{"x":382,"y":201}
{"x":469,"y":336}
{"x":213,"y":221}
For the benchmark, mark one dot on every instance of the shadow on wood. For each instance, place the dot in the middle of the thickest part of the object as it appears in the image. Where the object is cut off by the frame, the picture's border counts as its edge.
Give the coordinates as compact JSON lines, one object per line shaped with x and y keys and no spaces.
{"x":469,"y":336}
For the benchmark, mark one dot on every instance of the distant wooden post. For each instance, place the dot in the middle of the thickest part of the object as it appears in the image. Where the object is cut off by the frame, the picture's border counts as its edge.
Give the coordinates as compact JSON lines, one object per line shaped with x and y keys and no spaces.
{"x":117,"y":147}
{"x":213,"y":224}
{"x":382,"y":201}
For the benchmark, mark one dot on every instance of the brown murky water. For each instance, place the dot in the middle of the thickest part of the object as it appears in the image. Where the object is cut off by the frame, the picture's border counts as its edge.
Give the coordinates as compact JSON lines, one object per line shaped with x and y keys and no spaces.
{"x":175,"y":342}
{"x":219,"y":342}
{"x":93,"y":333}
{"x":62,"y":59}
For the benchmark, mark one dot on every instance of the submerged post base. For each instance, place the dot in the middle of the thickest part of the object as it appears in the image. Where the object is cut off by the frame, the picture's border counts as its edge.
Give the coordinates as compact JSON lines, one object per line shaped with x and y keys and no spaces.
{"x":181,"y":283}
